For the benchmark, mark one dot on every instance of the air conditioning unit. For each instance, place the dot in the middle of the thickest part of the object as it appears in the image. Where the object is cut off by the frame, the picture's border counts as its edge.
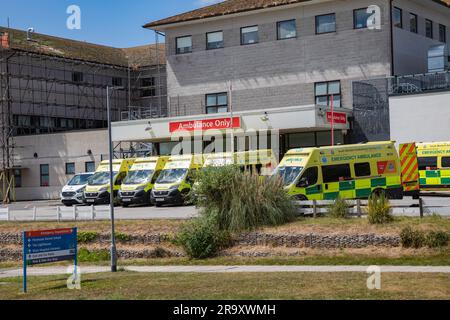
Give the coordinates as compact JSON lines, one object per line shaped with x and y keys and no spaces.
{"x":439,"y":58}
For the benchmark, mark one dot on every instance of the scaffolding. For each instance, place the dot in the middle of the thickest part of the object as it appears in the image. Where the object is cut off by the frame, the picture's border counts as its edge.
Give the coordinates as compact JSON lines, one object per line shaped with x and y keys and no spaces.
{"x":42,"y":93}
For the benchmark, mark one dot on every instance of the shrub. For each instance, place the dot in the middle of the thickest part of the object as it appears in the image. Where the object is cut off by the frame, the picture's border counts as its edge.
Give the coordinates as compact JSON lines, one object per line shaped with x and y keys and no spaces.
{"x":378,"y":209}
{"x":84,"y":255}
{"x":243,"y":201}
{"x":87,"y":237}
{"x":437,"y":239}
{"x":201,"y":238}
{"x":412,"y":238}
{"x":339,"y":209}
{"x":123,"y":237}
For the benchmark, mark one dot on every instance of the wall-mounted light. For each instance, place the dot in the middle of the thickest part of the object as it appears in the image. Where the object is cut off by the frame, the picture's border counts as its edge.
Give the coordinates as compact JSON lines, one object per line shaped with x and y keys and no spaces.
{"x":35,"y":155}
{"x":89,"y":152}
{"x":265,"y":118}
{"x":150,"y":127}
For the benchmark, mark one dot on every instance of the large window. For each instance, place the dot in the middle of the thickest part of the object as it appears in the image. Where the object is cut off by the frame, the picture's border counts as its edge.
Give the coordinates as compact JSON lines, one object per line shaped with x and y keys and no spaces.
{"x":45,"y":175}
{"x":398,"y":17}
{"x":89,"y":166}
{"x":214,"y":40}
{"x":148,"y":87}
{"x":326,"y":23}
{"x":70,"y":168}
{"x":327,"y":91}
{"x":361,"y":18}
{"x":336,"y":173}
{"x":446,"y":162}
{"x":428,"y":163}
{"x":17,"y":178}
{"x":217,"y":103}
{"x":442,"y":33}
{"x":249,"y":35}
{"x":413,"y":23}
{"x":362,"y":169}
{"x":429,"y":28}
{"x":286,"y":29}
{"x":184,"y":44}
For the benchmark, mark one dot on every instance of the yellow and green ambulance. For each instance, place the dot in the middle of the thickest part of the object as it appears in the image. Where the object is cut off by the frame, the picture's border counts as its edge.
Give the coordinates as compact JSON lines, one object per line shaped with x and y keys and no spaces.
{"x":176,"y":180}
{"x":98,"y":189}
{"x":261,"y":162}
{"x":347,"y":172}
{"x":434,"y":166}
{"x":137,"y":186}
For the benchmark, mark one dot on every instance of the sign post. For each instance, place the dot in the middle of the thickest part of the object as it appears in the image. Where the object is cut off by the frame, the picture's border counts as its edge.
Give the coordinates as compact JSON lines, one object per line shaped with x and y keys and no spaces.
{"x":48,"y":246}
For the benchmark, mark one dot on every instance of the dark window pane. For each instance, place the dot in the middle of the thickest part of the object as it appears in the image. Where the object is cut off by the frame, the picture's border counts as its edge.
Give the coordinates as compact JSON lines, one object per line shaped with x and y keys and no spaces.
{"x":18,"y":178}
{"x":413,"y":23}
{"x":361,"y":18}
{"x":77,"y":77}
{"x":446,"y":162}
{"x":310,"y":177}
{"x":336,"y":173}
{"x":326,"y":23}
{"x":217,"y":103}
{"x":362,"y":170}
{"x":287,"y":29}
{"x":70,"y":168}
{"x":117,"y":82}
{"x":148,"y":82}
{"x":442,"y":33}
{"x":249,"y":35}
{"x":427,"y":163}
{"x":398,"y":17}
{"x":429,"y":28}
{"x":45,"y":177}
{"x":90,"y":166}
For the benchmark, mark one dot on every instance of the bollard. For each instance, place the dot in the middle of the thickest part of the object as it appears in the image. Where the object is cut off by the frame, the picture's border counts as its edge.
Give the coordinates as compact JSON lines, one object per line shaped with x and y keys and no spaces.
{"x":58,"y":214}
{"x":93,"y":213}
{"x":421,"y":207}
{"x":315,"y":209}
{"x":8,"y":214}
{"x":74,"y":213}
{"x":358,"y":208}
{"x":34,"y":214}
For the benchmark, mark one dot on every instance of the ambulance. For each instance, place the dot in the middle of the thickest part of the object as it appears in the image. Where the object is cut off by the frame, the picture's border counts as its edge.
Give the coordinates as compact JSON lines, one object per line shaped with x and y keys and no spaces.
{"x":261,"y":162}
{"x":348,"y":172}
{"x":98,"y":189}
{"x":137,"y":186}
{"x":434,"y":166}
{"x":176,"y":180}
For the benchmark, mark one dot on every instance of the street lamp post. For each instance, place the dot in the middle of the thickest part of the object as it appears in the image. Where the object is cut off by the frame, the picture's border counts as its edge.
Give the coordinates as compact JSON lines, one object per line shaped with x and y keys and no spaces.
{"x":111,"y":181}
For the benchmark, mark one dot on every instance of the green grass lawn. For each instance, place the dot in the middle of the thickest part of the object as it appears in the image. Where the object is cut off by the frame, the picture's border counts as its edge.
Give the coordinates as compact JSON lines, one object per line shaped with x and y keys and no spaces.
{"x":126,"y":285}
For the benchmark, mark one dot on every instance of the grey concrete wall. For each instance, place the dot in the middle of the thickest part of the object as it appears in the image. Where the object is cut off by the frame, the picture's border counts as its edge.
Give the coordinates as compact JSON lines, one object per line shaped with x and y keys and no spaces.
{"x":274,"y":73}
{"x":420,"y":118}
{"x":411,"y":49}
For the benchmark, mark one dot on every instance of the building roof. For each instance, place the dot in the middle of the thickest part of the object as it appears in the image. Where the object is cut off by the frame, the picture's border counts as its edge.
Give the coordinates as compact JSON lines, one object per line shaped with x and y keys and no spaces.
{"x":83,"y":51}
{"x":232,"y":7}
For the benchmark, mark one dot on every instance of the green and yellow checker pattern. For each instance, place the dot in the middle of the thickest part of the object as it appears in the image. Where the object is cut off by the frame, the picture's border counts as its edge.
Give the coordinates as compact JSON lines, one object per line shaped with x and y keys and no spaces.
{"x":353,"y":189}
{"x":435,"y":179}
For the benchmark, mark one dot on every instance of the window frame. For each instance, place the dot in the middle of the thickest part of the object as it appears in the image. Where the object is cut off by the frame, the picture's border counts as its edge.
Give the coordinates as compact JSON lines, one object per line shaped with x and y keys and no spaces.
{"x":86,"y":166}
{"x":207,"y":42}
{"x":278,"y":29}
{"x":217,"y":106}
{"x":401,"y":17}
{"x":42,"y":175}
{"x":242,"y":35}
{"x":117,"y":81}
{"x":416,"y":19}
{"x":67,"y":167}
{"x":324,"y":15}
{"x":17,"y":173}
{"x":328,"y":95}
{"x":176,"y":45}
{"x":354,"y":19}
{"x":425,"y":168}
{"x":442,"y":27}
{"x":430,"y":36}
{"x":77,"y":77}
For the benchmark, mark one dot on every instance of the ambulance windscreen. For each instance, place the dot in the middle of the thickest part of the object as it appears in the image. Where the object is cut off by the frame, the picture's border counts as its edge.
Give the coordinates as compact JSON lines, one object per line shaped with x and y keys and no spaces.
{"x":288,"y":174}
{"x":138,"y":177}
{"x":172,"y":176}
{"x":100,"y":178}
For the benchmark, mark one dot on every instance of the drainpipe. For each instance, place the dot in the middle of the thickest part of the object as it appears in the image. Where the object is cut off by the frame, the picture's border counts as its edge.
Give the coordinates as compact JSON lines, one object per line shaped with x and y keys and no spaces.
{"x":391,"y":22}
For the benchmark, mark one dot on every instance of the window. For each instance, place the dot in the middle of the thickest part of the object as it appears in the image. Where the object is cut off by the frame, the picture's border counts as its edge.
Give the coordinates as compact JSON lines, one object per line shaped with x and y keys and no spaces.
{"x":326,"y":23}
{"x":362,"y":169}
{"x":214,"y":40}
{"x":336,"y":173}
{"x":301,"y":140}
{"x":445,"y":162}
{"x":249,"y":35}
{"x":117,"y":82}
{"x":413,"y":23}
{"x":184,"y":45}
{"x":428,"y":163}
{"x":325,"y":91}
{"x":148,"y":82}
{"x":70,"y":168}
{"x":45,"y":175}
{"x":17,"y":178}
{"x":148,"y":93}
{"x":217,"y":103}
{"x":287,"y":29}
{"x":77,"y":76}
{"x":429,"y":28}
{"x":398,"y":17}
{"x":309,"y":178}
{"x":89,"y":166}
{"x":442,"y":33}
{"x":361,"y":18}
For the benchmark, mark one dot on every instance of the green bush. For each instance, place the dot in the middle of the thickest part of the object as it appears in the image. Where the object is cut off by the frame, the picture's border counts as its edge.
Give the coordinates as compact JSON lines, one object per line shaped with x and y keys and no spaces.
{"x":201,"y":238}
{"x":84,"y":255}
{"x":123,"y":237}
{"x":437,"y":239}
{"x":378,"y":209}
{"x":339,"y":209}
{"x":243,"y":201}
{"x":412,"y":238}
{"x":87,"y":237}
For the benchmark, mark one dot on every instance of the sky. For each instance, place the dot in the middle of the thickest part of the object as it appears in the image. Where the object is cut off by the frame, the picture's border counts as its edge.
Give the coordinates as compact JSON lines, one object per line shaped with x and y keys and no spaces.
{"x":116,"y":23}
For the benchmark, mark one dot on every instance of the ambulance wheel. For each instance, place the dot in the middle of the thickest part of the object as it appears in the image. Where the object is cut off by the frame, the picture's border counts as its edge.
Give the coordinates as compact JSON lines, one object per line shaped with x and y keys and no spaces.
{"x":301,"y":198}
{"x":125,"y":205}
{"x":158,"y":205}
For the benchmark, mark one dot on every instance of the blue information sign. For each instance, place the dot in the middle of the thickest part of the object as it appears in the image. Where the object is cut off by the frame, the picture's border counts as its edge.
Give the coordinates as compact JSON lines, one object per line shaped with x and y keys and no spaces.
{"x":48,"y":246}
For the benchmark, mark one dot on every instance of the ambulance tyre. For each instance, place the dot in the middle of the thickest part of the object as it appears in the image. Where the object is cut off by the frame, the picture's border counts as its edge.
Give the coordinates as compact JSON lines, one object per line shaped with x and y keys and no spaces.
{"x":158,"y":205}
{"x":125,"y":205}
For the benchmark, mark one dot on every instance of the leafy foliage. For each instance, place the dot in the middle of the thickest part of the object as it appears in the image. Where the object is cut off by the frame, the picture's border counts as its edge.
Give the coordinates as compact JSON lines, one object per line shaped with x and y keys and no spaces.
{"x":379,"y":209}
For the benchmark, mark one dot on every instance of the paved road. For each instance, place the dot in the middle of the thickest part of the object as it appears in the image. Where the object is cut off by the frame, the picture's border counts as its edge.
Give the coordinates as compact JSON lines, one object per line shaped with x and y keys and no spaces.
{"x":47,"y":211}
{"x":49,"y":271}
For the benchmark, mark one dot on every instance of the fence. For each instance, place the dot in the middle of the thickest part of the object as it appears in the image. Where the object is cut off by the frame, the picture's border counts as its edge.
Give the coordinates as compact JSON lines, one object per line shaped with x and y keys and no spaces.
{"x":58,"y":214}
{"x":406,"y":207}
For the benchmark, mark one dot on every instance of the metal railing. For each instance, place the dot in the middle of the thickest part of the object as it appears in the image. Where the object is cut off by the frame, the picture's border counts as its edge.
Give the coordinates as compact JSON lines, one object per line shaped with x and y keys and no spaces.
{"x":421,"y":83}
{"x":142,"y":113}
